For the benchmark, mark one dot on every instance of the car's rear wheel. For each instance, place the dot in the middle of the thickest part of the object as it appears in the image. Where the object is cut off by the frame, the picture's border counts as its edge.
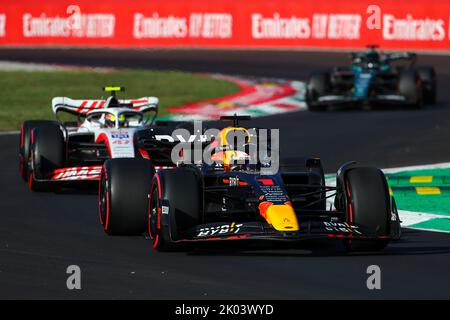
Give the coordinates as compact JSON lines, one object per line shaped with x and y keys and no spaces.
{"x":123,"y":195}
{"x":175,"y":206}
{"x":25,"y":143}
{"x":367,"y":207}
{"x":318,"y":85}
{"x":427,"y":75}
{"x":48,"y":152}
{"x":410,"y":86}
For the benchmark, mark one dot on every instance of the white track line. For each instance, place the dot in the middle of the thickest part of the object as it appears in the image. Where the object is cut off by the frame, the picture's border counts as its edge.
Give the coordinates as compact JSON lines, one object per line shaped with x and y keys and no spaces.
{"x":8,"y":133}
{"x":411,"y":217}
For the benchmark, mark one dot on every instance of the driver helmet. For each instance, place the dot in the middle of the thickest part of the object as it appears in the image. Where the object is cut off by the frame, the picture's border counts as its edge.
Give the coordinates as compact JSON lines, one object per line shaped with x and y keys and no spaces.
{"x":230,"y":148}
{"x":110,"y":120}
{"x":373,"y":56}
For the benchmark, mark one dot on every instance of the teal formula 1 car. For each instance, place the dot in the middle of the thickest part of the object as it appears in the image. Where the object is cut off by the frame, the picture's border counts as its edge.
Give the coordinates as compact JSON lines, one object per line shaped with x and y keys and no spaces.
{"x":374,"y":79}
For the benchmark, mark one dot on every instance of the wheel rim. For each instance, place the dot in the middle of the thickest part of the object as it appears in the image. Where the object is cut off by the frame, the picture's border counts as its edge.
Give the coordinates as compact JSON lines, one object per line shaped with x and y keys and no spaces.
{"x":153,"y":217}
{"x":21,"y":167}
{"x":103,"y":200}
{"x":30,"y":180}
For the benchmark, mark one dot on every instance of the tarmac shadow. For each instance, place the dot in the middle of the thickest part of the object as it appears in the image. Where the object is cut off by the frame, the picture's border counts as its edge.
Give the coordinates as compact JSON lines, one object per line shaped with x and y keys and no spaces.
{"x":410,"y":245}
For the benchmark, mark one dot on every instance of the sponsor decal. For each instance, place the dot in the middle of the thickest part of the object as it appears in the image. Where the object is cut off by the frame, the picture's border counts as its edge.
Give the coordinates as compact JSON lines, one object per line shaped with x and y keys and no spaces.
{"x":77,"y":173}
{"x":274,"y":194}
{"x":211,"y":25}
{"x":97,"y":25}
{"x":157,"y":168}
{"x":180,"y":138}
{"x":233,"y":181}
{"x":321,"y":26}
{"x":342,"y":227}
{"x":121,"y":142}
{"x":410,"y":28}
{"x":156,"y":26}
{"x":291,"y":23}
{"x":2,"y":24}
{"x":341,"y":26}
{"x":195,"y":25}
{"x":164,"y":209}
{"x":120,"y":135}
{"x":224,"y":229}
{"x":277,"y":27}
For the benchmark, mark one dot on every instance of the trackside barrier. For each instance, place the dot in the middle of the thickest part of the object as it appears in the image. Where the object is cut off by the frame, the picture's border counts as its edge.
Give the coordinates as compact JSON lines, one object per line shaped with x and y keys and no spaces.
{"x":346,"y":24}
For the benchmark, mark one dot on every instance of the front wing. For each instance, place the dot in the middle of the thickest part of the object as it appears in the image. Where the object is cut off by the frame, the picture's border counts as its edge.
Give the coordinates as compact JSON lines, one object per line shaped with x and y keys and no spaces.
{"x":264,"y":231}
{"x":350,"y":100}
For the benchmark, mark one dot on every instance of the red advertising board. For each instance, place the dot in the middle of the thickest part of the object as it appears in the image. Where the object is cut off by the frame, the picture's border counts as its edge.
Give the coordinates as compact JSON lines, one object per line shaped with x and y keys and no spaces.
{"x":392,"y":24}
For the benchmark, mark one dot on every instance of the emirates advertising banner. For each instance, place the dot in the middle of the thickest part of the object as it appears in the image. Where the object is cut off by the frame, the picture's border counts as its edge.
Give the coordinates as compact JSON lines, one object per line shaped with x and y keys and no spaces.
{"x":345,"y":24}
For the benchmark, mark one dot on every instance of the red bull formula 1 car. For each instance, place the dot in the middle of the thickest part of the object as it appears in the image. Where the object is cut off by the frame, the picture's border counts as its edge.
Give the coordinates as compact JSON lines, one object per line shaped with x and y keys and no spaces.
{"x":224,"y":201}
{"x":54,"y":154}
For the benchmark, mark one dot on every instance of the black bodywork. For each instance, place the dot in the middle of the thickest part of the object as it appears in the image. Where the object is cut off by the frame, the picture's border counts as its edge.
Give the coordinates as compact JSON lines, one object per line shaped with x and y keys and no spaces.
{"x":232,"y":213}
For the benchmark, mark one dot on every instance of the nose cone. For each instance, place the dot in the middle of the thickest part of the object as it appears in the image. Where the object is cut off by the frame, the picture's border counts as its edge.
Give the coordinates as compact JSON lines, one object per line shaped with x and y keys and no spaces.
{"x":281,"y":216}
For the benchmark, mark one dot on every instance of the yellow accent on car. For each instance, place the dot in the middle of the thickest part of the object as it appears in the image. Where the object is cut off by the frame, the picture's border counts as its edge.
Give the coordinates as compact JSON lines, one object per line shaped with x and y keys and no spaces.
{"x":282,"y":217}
{"x":109,"y":89}
{"x":421,"y":179}
{"x":224,"y":132}
{"x":110,"y":117}
{"x":428,"y":190}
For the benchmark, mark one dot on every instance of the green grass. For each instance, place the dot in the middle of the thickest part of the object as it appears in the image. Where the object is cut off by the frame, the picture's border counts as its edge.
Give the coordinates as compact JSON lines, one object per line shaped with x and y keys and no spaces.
{"x":408,"y":199}
{"x":27,"y":95}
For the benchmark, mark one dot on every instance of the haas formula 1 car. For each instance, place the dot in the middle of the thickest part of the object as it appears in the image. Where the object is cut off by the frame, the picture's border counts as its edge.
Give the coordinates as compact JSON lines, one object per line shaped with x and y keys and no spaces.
{"x":224,"y":201}
{"x":56,"y":153}
{"x":372,"y":80}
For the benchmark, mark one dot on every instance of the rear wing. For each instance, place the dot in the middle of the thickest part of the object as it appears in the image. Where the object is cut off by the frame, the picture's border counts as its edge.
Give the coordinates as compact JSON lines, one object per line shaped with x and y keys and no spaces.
{"x":83,"y":107}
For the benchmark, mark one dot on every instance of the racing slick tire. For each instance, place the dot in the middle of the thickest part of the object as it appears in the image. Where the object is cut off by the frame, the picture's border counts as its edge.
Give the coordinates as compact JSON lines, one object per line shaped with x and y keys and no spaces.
{"x":410,"y":86}
{"x":368,"y":207}
{"x":48,"y":152}
{"x":427,"y":75}
{"x":124,"y":187}
{"x":318,"y":85}
{"x":25,"y":143}
{"x":175,"y":206}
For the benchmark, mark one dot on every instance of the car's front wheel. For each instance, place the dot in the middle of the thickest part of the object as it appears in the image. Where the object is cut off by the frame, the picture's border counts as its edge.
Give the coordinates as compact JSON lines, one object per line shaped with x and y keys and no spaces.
{"x":124,"y":188}
{"x":367,"y":206}
{"x":25,"y":143}
{"x":48,"y":152}
{"x":175,"y":207}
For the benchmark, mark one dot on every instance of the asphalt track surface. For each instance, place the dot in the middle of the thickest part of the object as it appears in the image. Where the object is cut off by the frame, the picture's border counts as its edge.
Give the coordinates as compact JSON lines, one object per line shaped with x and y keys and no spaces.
{"x":42,"y":234}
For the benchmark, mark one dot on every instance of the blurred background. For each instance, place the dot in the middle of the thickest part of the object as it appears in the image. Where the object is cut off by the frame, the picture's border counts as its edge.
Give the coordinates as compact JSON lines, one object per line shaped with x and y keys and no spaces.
{"x":170,"y":49}
{"x":281,"y":24}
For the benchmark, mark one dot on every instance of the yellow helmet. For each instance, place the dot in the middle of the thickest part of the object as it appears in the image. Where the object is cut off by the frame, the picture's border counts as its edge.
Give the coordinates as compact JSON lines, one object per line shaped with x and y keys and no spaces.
{"x":227,"y":142}
{"x":110,"y":120}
